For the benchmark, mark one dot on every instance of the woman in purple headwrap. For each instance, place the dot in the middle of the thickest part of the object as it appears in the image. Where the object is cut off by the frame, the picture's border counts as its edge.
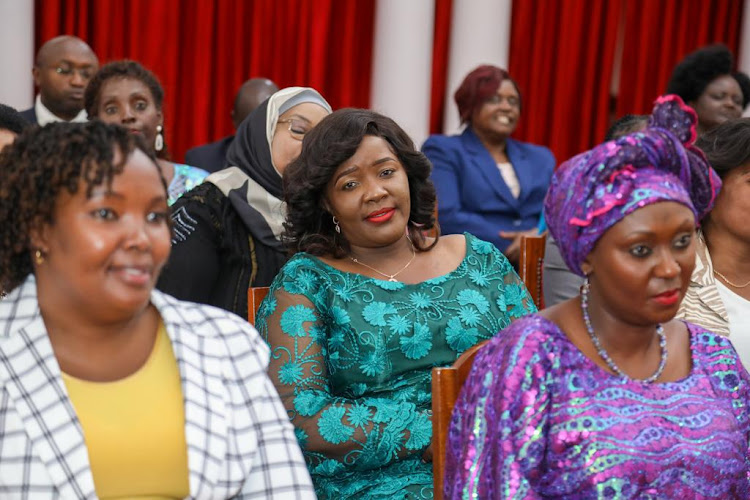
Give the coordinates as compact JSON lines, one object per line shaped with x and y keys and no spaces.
{"x":606,"y":395}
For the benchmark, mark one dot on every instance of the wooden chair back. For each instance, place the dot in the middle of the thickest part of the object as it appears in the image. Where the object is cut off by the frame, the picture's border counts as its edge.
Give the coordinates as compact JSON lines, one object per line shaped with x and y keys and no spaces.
{"x":255,"y":296}
{"x":446,"y":384}
{"x":530,"y":266}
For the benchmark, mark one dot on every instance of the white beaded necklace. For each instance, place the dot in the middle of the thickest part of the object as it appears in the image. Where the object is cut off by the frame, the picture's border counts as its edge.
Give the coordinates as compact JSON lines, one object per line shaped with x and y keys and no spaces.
{"x":603,"y":352}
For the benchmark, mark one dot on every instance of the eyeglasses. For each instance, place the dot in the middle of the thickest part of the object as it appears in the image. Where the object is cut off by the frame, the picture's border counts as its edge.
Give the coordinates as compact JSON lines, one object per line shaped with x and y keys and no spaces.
{"x":85,"y":73}
{"x":297,"y":128}
{"x":496,"y":99}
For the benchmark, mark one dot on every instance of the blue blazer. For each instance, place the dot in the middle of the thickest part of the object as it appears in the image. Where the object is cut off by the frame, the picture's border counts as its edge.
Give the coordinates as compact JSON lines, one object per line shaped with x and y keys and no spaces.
{"x":472,"y":195}
{"x":210,"y":157}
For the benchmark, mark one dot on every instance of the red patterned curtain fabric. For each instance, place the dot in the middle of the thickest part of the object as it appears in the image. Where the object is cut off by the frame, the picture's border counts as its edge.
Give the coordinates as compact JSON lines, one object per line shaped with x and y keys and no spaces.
{"x":562,"y":58}
{"x":440,"y":54}
{"x":658,"y":34}
{"x":202,"y":50}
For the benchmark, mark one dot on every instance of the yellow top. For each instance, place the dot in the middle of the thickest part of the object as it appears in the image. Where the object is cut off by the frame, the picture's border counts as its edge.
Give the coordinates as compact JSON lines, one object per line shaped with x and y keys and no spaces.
{"x":134,"y":429}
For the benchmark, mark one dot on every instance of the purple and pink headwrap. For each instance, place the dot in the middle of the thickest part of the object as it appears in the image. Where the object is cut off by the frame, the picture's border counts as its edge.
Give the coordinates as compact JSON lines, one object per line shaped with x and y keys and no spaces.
{"x":592,"y":191}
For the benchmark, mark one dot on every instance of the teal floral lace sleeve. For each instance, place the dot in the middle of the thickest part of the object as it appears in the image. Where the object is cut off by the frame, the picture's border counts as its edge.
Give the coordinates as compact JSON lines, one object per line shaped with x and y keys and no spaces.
{"x":351,"y":357}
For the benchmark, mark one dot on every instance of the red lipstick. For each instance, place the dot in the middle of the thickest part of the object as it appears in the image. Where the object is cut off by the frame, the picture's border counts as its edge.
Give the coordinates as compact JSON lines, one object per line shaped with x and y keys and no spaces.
{"x":668,"y":298}
{"x":382,"y":215}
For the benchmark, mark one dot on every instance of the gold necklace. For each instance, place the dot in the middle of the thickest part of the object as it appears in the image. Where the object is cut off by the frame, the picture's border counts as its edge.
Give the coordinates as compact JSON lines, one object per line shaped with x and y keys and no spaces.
{"x":717,"y":273}
{"x":391,"y":277}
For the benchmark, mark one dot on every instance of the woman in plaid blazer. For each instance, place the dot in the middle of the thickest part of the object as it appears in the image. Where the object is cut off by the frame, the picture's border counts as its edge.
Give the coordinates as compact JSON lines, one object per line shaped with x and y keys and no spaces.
{"x":85,"y":233}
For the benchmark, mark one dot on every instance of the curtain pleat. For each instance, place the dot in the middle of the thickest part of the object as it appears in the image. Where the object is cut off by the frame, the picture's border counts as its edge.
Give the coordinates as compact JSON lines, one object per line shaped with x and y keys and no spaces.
{"x":440,"y":54}
{"x":562,"y":58}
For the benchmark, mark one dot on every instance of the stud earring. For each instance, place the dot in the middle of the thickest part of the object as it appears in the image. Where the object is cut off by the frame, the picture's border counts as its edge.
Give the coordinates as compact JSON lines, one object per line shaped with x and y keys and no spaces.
{"x":336,"y":223}
{"x":39,"y":257}
{"x":159,"y":142}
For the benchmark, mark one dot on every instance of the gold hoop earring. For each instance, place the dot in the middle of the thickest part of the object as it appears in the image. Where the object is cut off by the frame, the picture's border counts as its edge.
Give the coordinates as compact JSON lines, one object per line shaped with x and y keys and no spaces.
{"x":39,"y":257}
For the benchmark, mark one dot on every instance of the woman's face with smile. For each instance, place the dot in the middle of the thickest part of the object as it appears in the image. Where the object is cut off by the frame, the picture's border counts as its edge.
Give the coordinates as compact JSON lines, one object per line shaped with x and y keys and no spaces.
{"x":369,"y":195}
{"x":106,"y":250}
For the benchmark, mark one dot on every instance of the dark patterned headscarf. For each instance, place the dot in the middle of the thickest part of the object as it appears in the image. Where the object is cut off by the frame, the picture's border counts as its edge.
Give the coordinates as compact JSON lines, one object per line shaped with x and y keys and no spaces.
{"x":596,"y":189}
{"x":251,"y":181}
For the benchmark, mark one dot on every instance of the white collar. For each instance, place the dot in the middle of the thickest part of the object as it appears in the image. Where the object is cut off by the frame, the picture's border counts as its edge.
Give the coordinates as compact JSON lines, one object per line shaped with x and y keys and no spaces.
{"x":45,"y":116}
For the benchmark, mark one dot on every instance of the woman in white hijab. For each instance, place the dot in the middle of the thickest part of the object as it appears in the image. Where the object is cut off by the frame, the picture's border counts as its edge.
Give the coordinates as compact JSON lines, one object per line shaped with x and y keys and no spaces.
{"x":227,"y":231}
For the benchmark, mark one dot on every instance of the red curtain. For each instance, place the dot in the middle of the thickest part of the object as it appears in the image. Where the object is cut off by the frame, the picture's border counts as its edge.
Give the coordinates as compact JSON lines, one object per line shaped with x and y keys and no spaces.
{"x":562,"y":57}
{"x":440,"y":54}
{"x":658,"y":34}
{"x":202,"y":50}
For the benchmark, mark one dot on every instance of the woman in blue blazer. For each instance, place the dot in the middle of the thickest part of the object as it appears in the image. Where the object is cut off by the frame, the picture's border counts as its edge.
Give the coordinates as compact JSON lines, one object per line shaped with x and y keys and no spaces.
{"x":487,"y":183}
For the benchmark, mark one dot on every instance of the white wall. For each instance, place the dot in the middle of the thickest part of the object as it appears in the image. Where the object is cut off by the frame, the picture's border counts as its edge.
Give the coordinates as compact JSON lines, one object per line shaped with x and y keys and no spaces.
{"x":480,"y":34}
{"x":16,"y":53}
{"x":402,"y":64}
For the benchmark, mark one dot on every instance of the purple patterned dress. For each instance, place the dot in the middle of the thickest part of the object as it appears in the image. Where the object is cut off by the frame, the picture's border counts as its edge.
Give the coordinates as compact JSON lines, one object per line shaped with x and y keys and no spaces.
{"x":538,"y":419}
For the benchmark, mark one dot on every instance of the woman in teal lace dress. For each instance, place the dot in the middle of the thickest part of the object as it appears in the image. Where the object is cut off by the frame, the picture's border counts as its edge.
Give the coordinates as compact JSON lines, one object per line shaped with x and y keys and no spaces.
{"x":368,"y":305}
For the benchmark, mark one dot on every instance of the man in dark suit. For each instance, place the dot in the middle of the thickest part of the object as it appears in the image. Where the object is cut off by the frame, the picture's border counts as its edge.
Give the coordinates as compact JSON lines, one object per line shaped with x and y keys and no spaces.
{"x":252,"y":93}
{"x":11,"y":125}
{"x":62,"y":69}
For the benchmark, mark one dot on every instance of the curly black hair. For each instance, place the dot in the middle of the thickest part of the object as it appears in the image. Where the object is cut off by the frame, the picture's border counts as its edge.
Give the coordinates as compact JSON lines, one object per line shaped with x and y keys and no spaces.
{"x":123,"y":69}
{"x":10,"y":119}
{"x":309,"y":226}
{"x":727,"y":146}
{"x":120,"y":69}
{"x":41,"y":163}
{"x":692,"y":75}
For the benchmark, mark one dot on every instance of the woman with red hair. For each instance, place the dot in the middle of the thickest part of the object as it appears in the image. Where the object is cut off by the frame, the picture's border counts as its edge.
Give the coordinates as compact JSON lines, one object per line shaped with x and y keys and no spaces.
{"x":487,"y":183}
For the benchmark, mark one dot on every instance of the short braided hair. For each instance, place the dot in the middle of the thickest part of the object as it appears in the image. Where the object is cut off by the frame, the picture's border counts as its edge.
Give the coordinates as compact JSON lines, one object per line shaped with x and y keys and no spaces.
{"x":38,"y":167}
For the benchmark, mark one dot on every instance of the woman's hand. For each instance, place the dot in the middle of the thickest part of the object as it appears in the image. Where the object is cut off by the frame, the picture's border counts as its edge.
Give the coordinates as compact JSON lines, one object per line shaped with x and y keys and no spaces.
{"x":513,"y":252}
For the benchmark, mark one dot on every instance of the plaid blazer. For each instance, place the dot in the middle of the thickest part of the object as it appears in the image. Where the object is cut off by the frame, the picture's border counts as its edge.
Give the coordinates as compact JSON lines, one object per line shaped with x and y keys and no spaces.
{"x":240,"y":441}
